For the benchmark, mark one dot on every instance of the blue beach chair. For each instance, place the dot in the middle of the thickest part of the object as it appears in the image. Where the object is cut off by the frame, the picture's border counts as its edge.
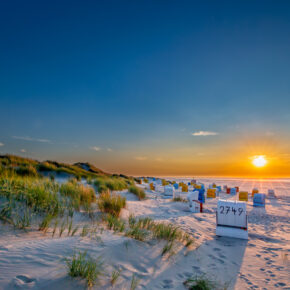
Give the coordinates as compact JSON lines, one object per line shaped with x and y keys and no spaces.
{"x":259,"y":199}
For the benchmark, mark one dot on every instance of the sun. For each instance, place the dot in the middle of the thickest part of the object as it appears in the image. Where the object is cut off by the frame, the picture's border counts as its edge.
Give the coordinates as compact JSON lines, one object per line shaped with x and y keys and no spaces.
{"x":259,"y":161}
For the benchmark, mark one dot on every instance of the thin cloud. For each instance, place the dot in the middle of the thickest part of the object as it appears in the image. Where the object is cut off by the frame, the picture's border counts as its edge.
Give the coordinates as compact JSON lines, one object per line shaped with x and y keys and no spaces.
{"x":109,"y":149}
{"x":159,"y":159}
{"x":204,"y":133}
{"x":95,"y":148}
{"x":1,"y":144}
{"x":269,"y":133}
{"x":23,"y":150}
{"x":27,"y":138}
{"x":141,"y":158}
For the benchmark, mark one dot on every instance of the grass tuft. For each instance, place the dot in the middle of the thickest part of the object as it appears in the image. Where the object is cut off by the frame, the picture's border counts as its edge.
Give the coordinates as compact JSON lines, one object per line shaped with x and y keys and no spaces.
{"x":199,"y":283}
{"x":115,"y":276}
{"x":137,"y":191}
{"x":111,"y":203}
{"x":134,"y":282}
{"x":179,"y":199}
{"x":83,"y":266}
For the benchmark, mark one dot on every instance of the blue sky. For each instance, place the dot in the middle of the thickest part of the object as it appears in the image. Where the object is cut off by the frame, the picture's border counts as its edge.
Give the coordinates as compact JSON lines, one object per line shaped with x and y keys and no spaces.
{"x":135,"y":79}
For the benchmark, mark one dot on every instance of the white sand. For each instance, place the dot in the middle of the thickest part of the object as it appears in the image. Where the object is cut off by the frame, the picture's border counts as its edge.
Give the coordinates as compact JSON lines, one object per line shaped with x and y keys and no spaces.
{"x":35,"y":260}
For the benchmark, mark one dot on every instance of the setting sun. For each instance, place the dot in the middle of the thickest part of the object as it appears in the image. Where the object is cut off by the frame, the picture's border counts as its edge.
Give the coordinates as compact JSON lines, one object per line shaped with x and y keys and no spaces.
{"x":259,"y":161}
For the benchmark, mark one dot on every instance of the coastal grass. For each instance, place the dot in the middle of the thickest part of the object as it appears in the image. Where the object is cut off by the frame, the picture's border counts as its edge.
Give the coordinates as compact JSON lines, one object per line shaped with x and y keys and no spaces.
{"x":179,"y":199}
{"x":115,"y":276}
{"x":83,"y":266}
{"x":134,"y":282}
{"x":106,"y":183}
{"x":111,"y":203}
{"x":79,"y":194}
{"x":114,"y":223}
{"x":199,"y":283}
{"x":137,"y":191}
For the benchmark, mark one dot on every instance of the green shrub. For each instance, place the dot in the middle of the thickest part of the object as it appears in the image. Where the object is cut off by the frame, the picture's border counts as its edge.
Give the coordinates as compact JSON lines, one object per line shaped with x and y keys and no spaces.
{"x":137,"y":191}
{"x":111,"y":203}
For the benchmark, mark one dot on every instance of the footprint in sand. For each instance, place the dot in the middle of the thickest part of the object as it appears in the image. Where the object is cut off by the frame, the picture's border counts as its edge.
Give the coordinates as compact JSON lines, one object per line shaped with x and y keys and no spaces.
{"x":23,"y":281}
{"x":187,"y":274}
{"x":280,"y":284}
{"x":196,"y":268}
{"x":167,"y":284}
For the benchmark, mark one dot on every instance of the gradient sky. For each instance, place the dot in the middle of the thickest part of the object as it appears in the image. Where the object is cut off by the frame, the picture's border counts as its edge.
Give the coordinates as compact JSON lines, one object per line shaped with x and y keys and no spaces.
{"x":125,"y":84}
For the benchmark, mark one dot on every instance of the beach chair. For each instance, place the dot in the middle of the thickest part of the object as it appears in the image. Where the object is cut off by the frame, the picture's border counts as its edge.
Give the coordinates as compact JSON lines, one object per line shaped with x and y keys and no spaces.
{"x":233,"y":191}
{"x":168,"y":191}
{"x":254,"y":191}
{"x":211,"y":193}
{"x":259,"y":200}
{"x":194,"y":204}
{"x":184,"y":188}
{"x":232,"y":219}
{"x":271,"y":193}
{"x":243,"y":196}
{"x":201,"y":196}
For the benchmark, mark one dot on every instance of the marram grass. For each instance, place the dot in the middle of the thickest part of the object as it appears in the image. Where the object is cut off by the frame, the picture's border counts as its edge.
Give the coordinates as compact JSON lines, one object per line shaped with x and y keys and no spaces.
{"x":83,"y":266}
{"x":111,"y":203}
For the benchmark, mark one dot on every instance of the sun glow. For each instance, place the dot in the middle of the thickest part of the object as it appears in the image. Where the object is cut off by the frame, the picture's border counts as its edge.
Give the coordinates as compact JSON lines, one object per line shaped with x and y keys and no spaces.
{"x":259,"y":161}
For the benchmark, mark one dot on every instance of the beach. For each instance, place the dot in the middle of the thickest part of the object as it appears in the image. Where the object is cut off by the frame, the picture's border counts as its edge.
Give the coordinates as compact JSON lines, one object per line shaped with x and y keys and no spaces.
{"x":34,"y":260}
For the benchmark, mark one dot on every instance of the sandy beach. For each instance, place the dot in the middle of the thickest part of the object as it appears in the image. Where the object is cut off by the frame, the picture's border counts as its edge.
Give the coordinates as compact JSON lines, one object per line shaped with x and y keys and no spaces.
{"x":33,"y":260}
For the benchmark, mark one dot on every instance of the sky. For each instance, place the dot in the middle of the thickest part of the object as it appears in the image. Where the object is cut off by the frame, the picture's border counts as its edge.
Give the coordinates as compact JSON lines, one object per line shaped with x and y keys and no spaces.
{"x":185,"y":88}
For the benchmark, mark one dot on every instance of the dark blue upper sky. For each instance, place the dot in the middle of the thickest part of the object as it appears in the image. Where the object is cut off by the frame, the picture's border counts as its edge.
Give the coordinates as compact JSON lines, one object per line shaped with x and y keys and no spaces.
{"x":139,"y":77}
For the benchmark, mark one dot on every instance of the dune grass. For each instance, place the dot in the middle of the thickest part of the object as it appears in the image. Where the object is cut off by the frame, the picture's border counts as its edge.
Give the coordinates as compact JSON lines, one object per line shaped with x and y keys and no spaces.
{"x":80,"y":194}
{"x":137,"y":191}
{"x":111,"y":203}
{"x":30,"y":167}
{"x":104,"y":184}
{"x":199,"y":283}
{"x":179,"y":199}
{"x":134,"y":282}
{"x":83,"y":266}
{"x":114,"y":223}
{"x":115,"y":276}
{"x":45,"y":223}
{"x":38,"y":194}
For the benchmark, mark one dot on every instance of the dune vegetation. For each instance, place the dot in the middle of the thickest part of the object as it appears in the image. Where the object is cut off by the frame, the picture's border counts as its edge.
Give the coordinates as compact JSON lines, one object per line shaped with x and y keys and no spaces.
{"x":139,"y":192}
{"x":111,"y":203}
{"x":33,"y":201}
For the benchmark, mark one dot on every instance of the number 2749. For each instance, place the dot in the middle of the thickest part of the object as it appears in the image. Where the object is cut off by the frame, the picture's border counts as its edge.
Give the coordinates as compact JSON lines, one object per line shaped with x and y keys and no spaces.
{"x":227,"y":209}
